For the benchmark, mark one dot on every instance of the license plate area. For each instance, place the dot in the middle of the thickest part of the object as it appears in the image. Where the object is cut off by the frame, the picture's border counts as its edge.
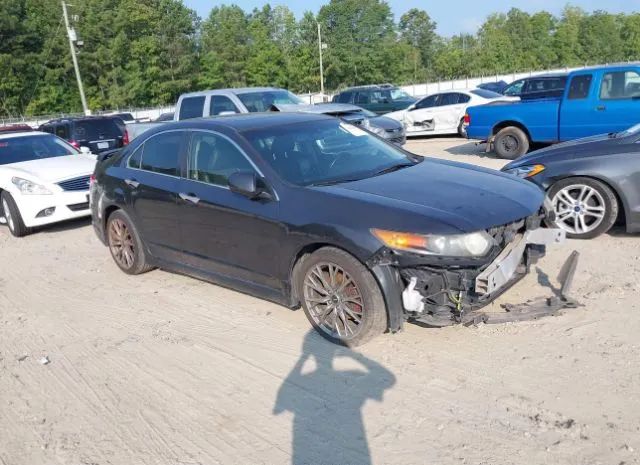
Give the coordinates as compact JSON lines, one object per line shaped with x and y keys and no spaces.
{"x":103,"y":145}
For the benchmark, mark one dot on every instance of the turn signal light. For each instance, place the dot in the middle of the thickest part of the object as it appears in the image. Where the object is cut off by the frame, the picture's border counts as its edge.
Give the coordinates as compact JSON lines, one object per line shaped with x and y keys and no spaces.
{"x":397,"y":240}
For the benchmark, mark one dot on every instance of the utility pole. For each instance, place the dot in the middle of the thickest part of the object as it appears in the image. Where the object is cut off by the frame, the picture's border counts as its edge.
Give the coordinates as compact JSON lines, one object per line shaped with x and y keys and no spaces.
{"x":71,"y":34}
{"x":320,"y":44}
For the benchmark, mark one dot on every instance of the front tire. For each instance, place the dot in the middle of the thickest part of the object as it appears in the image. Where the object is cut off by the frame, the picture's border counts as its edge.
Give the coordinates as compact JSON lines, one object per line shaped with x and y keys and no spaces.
{"x":13,"y":216}
{"x":511,"y":143}
{"x":125,"y":245}
{"x":585,"y":208}
{"x":340,"y":297}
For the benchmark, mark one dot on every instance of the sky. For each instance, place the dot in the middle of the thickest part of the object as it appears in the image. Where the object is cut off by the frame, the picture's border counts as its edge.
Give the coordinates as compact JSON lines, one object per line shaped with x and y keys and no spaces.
{"x":452,"y":18}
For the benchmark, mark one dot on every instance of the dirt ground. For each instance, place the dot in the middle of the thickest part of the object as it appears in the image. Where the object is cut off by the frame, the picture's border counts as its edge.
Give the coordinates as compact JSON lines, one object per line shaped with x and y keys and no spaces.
{"x":165,"y":369}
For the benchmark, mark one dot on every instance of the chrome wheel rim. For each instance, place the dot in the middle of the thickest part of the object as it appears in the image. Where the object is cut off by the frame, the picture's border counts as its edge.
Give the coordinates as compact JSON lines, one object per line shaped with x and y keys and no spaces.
{"x":121,"y":243}
{"x":333,"y":300}
{"x":579,"y":208}
{"x":7,"y":215}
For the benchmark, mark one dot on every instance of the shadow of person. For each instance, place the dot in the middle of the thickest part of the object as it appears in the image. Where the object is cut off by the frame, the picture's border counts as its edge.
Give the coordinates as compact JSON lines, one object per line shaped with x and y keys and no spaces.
{"x":326,"y":402}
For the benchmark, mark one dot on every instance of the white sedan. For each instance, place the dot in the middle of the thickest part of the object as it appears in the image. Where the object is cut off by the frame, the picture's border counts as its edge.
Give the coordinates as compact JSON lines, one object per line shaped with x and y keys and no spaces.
{"x":43,"y":180}
{"x":443,"y":112}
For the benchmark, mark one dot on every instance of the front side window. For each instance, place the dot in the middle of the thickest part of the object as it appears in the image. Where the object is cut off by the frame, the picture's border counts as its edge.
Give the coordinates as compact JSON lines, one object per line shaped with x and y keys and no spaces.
{"x":620,"y":85}
{"x":325,"y":152}
{"x":160,"y":153}
{"x":191,"y":107}
{"x":221,"y":104}
{"x":579,"y":87}
{"x":29,"y":148}
{"x":362,"y":98}
{"x":213,"y":158}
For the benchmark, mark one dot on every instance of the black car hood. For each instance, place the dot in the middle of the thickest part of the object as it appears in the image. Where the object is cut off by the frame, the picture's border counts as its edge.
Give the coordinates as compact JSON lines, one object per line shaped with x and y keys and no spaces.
{"x":601,"y":144}
{"x":464,"y":197}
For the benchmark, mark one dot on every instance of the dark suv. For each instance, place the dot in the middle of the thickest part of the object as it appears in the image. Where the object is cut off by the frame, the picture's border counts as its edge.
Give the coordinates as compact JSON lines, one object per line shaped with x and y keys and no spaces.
{"x":380,"y":99}
{"x":542,"y":86}
{"x":97,"y":133}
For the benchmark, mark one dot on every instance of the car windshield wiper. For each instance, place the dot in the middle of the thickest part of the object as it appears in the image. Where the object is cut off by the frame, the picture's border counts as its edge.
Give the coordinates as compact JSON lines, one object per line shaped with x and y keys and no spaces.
{"x":391,"y":169}
{"x":335,"y":181}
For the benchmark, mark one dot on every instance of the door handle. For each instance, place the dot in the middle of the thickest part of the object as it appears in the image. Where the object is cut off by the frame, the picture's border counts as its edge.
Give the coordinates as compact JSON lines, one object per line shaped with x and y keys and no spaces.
{"x":189,"y":198}
{"x":601,"y":108}
{"x":132,"y":183}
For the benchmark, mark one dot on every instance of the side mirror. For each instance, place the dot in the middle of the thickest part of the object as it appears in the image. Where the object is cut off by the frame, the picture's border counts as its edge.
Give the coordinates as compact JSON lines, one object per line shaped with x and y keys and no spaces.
{"x":247,"y":183}
{"x":85,"y":150}
{"x":411,"y":107}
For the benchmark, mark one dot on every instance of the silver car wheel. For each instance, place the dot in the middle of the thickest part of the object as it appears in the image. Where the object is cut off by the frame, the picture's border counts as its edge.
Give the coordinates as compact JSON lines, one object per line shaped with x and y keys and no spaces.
{"x":579,"y":208}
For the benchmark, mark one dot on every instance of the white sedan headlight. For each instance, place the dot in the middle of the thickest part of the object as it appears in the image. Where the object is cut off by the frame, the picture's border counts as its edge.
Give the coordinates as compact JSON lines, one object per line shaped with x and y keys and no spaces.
{"x":476,"y":244}
{"x":27,"y":187}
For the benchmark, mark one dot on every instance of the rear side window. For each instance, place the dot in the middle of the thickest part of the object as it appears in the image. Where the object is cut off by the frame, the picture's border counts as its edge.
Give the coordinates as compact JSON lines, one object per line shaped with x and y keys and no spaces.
{"x":620,"y":85}
{"x":160,"y":153}
{"x":448,"y":99}
{"x":220,"y":104}
{"x":136,"y":158}
{"x":94,"y":129}
{"x":212,"y":159}
{"x":362,"y":98}
{"x":579,"y":87}
{"x":62,"y":131}
{"x":191,"y":107}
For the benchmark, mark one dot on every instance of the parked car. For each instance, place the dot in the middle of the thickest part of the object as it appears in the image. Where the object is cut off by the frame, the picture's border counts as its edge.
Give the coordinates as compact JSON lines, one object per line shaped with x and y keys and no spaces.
{"x":43,"y":180}
{"x":535,"y":87}
{"x":221,"y":102}
{"x":592,"y":182}
{"x":596,"y":100}
{"x":380,"y":99}
{"x":97,"y":133}
{"x":307,"y":210}
{"x":497,"y":87}
{"x":442,"y":112}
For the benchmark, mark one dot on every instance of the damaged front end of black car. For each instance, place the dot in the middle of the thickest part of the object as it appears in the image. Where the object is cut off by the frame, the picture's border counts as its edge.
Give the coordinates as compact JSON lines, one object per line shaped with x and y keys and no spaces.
{"x":440,"y":290}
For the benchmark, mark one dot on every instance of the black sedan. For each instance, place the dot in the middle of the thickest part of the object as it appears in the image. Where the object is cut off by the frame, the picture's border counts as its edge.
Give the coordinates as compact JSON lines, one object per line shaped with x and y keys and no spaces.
{"x":307,"y":210}
{"x":592,"y":182}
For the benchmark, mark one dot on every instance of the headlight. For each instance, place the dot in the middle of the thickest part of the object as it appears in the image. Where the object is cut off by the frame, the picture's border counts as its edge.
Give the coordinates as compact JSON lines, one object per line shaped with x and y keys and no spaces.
{"x":475,"y":244}
{"x":526,"y":171}
{"x":374,"y":129}
{"x":27,"y":187}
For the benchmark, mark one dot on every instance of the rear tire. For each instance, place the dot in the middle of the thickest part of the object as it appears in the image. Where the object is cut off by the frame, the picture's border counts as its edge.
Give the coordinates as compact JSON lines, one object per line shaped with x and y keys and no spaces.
{"x":340,"y":297}
{"x":511,"y":143}
{"x":126,"y":248}
{"x":462,"y":130}
{"x":13,"y":216}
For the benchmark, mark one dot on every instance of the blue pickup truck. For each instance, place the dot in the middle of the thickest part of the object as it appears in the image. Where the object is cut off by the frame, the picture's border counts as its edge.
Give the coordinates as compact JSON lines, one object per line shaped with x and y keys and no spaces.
{"x":596,"y":100}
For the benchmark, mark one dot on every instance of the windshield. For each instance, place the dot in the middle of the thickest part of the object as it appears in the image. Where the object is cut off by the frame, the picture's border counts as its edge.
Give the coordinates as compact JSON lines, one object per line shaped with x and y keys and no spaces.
{"x":325,"y":152}
{"x":262,"y":101}
{"x":19,"y":149}
{"x":398,"y":94}
{"x":484,"y":93}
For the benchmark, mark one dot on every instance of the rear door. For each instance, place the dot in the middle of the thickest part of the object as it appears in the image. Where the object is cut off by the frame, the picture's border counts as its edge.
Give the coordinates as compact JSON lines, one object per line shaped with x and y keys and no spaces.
{"x":225,"y":233}
{"x":152,"y":183}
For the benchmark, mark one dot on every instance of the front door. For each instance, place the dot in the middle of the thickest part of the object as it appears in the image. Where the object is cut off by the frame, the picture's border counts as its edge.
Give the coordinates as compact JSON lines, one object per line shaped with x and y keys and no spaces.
{"x":223,"y":232}
{"x":152,"y":182}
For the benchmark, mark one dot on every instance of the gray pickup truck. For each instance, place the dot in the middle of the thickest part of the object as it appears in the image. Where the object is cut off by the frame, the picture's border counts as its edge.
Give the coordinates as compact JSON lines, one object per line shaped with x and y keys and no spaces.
{"x":223,"y":102}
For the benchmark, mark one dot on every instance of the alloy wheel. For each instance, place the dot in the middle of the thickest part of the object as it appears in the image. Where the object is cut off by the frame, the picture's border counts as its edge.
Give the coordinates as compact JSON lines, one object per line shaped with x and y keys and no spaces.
{"x":121,"y":243}
{"x":333,"y":300}
{"x":7,"y":215}
{"x":579,"y":208}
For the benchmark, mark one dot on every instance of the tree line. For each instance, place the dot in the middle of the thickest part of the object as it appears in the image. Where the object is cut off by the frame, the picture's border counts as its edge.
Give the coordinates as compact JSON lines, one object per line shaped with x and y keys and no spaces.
{"x":147,"y":52}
